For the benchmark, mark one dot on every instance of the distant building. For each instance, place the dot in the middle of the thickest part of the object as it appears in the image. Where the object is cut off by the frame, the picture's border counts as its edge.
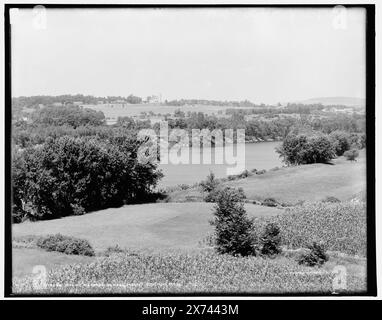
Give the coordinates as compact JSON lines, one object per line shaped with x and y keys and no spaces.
{"x":57,"y":104}
{"x":153,"y":99}
{"x":78,"y":103}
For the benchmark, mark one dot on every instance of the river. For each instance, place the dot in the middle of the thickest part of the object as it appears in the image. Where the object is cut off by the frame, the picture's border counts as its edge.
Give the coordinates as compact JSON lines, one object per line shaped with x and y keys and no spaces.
{"x":258,"y":156}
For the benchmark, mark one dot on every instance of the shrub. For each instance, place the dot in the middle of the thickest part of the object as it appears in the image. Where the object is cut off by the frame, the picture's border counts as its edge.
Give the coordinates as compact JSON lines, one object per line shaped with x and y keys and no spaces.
{"x":358,"y":140}
{"x":351,"y":154}
{"x":184,"y":186}
{"x":244,"y":174}
{"x":315,"y":257}
{"x":270,"y":240}
{"x":304,"y":149}
{"x":331,"y":199}
{"x":113,"y":250}
{"x":73,"y":116}
{"x":212,"y":196}
{"x":269,"y":202}
{"x":233,"y":229}
{"x":71,"y":175}
{"x":77,"y":209}
{"x":65,"y":244}
{"x":210,"y":187}
{"x":341,"y":141}
{"x":261,"y":171}
{"x":210,"y":183}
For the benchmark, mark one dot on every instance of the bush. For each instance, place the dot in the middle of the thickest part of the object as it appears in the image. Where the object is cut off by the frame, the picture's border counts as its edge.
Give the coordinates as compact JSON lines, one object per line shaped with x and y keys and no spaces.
{"x":210,"y":187}
{"x":269,"y":202}
{"x":261,"y":171}
{"x":113,"y":250}
{"x":65,"y":244}
{"x":341,"y":141}
{"x":304,"y":149}
{"x":71,"y":175}
{"x":77,"y":210}
{"x":233,"y":229}
{"x":210,"y":183}
{"x":73,"y":116}
{"x":245,"y":174}
{"x":214,"y":195}
{"x":331,"y":199}
{"x":315,"y":257}
{"x":270,"y":240}
{"x":351,"y":154}
{"x":184,"y":186}
{"x":358,"y":140}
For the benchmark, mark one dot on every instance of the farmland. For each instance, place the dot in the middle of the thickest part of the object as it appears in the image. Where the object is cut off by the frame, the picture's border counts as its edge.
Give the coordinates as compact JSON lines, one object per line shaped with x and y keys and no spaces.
{"x":113,"y":111}
{"x":164,"y":251}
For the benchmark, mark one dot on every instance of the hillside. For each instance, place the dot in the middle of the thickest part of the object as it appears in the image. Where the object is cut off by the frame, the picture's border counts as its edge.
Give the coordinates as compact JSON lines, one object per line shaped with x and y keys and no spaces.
{"x":341,"y":179}
{"x":155,"y":226}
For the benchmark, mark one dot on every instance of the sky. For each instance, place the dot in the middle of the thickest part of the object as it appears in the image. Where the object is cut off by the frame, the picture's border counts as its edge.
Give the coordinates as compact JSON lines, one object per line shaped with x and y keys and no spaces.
{"x":265,"y":55}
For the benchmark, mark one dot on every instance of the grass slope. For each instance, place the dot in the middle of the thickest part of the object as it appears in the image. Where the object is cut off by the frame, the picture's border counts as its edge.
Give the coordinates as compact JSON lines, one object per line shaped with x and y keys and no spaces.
{"x":342,"y":179}
{"x":156,"y":226}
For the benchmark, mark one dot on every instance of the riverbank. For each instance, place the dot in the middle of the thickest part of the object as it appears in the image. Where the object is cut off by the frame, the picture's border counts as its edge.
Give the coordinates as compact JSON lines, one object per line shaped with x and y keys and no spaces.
{"x":290,"y":185}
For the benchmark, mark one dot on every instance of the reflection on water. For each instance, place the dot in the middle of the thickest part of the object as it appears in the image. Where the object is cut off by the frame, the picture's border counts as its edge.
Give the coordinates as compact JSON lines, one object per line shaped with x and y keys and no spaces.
{"x":257,"y":156}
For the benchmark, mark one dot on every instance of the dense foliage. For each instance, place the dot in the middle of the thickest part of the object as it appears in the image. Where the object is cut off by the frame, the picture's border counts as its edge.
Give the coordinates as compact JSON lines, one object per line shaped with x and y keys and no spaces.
{"x":270,"y":240}
{"x":305,"y":149}
{"x":341,"y":141}
{"x":351,"y":154}
{"x":73,"y":175}
{"x":233,"y":228}
{"x":316,"y":256}
{"x":73,"y":116}
{"x":65,"y":244}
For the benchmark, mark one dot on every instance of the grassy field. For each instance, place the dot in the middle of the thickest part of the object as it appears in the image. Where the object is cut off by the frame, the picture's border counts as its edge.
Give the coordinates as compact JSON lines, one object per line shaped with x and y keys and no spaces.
{"x":203,"y":272}
{"x":314,"y":182}
{"x":157,"y":226}
{"x":153,"y":227}
{"x":164,"y":251}
{"x":25,"y":259}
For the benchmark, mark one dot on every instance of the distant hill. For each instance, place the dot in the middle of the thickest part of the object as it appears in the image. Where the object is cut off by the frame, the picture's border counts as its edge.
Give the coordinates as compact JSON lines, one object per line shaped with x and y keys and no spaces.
{"x":346,"y":101}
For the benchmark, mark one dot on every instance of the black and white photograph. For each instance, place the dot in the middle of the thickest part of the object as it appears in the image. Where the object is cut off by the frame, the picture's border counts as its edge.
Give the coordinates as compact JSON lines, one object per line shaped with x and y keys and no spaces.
{"x":177,"y":150}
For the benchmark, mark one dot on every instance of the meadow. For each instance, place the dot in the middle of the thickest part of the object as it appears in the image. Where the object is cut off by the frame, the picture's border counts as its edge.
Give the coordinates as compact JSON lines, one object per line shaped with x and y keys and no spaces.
{"x":165,"y":247}
{"x":290,"y":185}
